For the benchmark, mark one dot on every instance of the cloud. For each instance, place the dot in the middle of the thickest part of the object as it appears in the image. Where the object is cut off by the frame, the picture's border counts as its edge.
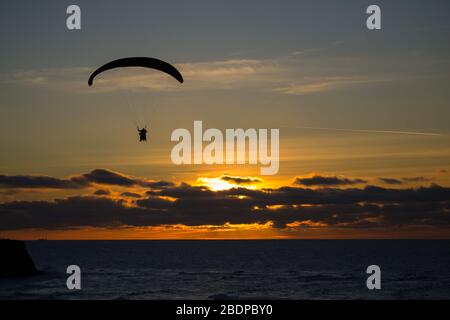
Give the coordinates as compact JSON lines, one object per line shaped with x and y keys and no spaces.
{"x":225,"y":74}
{"x":240,"y":180}
{"x":131,"y":195}
{"x":325,"y":83}
{"x":65,"y":78}
{"x":417,"y":179}
{"x":390,"y":180}
{"x":95,"y":177}
{"x":318,"y":180}
{"x":394,"y":181}
{"x":155,"y":184}
{"x":36,"y":182}
{"x":293,"y":75}
{"x":283,"y":207}
{"x":102,"y":192}
{"x":103,"y":176}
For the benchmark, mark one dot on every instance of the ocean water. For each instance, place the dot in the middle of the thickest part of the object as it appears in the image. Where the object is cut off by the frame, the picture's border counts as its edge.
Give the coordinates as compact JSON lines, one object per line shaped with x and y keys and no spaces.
{"x":283,"y":269}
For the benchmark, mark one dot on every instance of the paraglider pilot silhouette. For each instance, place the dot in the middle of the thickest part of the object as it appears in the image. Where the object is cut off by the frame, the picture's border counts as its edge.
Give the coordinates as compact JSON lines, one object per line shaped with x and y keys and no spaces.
{"x":144,"y":62}
{"x":142,"y":134}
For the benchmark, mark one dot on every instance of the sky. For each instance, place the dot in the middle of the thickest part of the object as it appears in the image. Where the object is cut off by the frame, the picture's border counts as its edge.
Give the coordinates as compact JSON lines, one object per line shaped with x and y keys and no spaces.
{"x":363,"y":119}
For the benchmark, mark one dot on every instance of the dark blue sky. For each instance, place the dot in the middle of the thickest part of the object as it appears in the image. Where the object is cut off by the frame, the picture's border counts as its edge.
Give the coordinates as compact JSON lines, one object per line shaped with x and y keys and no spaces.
{"x":34,"y":35}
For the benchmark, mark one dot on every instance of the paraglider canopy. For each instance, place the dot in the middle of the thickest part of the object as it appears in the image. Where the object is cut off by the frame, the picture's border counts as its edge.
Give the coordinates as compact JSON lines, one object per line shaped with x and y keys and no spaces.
{"x":145,"y":62}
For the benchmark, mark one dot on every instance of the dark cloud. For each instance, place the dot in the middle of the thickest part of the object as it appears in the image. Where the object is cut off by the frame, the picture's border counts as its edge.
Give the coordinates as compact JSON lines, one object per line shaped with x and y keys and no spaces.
{"x":108,"y":177}
{"x":61,"y":213}
{"x":36,"y":182}
{"x":155,"y":203}
{"x":96,"y":176}
{"x":102,"y":192}
{"x":318,"y":180}
{"x":185,"y":190}
{"x":131,"y":195}
{"x":390,"y":181}
{"x":240,"y":180}
{"x":368,"y":207}
{"x":99,"y":176}
{"x":103,"y":176}
{"x":417,"y":179}
{"x":155,"y":184}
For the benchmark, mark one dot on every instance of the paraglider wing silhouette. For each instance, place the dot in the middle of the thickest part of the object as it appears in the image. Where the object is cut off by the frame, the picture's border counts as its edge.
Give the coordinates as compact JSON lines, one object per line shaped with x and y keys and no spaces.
{"x":145,"y":62}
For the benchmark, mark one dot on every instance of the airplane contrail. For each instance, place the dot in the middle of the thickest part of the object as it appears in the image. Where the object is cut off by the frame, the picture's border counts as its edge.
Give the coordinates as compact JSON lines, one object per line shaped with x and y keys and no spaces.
{"x":369,"y":131}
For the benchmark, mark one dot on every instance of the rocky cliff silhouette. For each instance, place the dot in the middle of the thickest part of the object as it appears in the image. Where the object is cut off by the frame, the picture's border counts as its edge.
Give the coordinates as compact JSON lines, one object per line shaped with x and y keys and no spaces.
{"x":15,"y":260}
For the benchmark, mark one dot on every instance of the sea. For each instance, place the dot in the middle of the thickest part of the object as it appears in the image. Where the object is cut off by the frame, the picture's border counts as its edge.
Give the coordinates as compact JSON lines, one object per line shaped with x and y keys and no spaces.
{"x":235,"y":269}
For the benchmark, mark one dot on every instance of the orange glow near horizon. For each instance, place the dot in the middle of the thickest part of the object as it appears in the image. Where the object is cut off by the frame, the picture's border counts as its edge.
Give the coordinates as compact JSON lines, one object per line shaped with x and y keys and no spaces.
{"x":254,"y":231}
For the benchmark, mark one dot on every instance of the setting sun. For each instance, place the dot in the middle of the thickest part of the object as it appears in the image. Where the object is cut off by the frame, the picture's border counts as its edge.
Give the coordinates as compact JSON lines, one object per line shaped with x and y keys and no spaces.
{"x":226,"y":182}
{"x":216,"y":184}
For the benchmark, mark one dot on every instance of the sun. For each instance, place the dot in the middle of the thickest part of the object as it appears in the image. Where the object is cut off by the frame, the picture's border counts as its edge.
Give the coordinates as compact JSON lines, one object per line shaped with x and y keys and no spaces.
{"x":216,"y":184}
{"x":226,"y":182}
